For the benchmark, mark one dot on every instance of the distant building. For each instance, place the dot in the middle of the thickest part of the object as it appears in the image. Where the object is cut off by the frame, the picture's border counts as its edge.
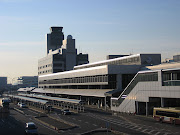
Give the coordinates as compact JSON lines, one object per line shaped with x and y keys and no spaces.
{"x":61,"y":54}
{"x":3,"y":83}
{"x":176,"y":58}
{"x":28,"y":81}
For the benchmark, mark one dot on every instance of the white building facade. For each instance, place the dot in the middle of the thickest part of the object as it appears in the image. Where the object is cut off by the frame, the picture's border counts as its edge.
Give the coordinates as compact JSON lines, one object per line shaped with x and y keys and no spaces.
{"x":156,"y":86}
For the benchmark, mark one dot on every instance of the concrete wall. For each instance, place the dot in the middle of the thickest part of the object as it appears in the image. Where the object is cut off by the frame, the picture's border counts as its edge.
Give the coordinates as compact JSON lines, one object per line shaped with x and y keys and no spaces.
{"x":45,"y":64}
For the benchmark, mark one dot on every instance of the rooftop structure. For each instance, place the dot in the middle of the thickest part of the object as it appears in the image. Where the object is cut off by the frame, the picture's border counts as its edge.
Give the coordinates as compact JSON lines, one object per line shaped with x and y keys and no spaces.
{"x":137,"y":59}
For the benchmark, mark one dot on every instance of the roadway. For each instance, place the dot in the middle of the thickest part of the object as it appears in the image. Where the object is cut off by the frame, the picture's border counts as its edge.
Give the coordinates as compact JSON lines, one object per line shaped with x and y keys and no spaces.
{"x":92,"y":119}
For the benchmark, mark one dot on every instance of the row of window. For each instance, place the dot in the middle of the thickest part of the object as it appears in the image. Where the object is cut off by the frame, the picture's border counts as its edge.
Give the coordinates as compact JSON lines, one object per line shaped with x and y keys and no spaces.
{"x":109,"y":86}
{"x":46,"y":71}
{"x":171,"y":78}
{"x":134,"y":60}
{"x":171,"y":75}
{"x":45,"y":66}
{"x":168,"y":114}
{"x":86,"y":79}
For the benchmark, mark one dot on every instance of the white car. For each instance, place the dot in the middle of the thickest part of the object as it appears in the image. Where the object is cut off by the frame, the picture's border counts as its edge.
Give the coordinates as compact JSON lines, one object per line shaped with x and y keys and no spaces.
{"x":19,"y":103}
{"x":22,"y":105}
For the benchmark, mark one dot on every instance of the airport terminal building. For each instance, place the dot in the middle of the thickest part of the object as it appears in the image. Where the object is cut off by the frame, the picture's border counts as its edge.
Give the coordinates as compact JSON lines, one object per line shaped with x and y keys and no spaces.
{"x":96,"y":83}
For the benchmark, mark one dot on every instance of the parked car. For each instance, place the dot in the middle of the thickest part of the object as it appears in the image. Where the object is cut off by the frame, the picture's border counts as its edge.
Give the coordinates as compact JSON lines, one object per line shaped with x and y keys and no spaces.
{"x":31,"y":129}
{"x":19,"y":103}
{"x":66,"y":112}
{"x":22,"y":105}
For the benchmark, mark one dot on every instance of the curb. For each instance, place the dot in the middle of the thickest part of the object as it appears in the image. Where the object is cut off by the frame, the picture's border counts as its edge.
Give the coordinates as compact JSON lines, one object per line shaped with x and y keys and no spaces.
{"x":35,"y":109}
{"x":18,"y":110}
{"x":49,"y":125}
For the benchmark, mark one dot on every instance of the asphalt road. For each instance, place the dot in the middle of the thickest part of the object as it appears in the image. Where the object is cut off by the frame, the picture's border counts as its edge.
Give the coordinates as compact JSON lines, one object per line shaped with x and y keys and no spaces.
{"x":92,"y":119}
{"x":10,"y":126}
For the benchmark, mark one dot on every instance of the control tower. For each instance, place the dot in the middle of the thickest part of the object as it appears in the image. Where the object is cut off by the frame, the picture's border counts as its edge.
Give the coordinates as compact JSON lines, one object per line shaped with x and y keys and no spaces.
{"x":55,"y":38}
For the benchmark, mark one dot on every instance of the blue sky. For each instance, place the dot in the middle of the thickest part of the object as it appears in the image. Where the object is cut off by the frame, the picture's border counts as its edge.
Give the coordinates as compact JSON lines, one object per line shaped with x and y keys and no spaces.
{"x":100,"y":27}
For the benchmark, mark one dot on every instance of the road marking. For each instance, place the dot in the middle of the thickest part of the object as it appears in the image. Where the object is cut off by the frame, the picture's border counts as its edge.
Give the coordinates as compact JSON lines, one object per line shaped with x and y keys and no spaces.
{"x":87,"y":122}
{"x":73,"y":118}
{"x":80,"y":120}
{"x":144,"y":130}
{"x":129,"y":125}
{"x":94,"y":125}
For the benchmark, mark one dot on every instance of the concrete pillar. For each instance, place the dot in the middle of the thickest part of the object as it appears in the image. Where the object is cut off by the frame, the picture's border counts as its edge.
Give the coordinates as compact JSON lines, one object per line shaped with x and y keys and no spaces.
{"x":162,"y":102}
{"x":98,"y":104}
{"x":146,"y":108}
{"x":88,"y":101}
{"x":101,"y":102}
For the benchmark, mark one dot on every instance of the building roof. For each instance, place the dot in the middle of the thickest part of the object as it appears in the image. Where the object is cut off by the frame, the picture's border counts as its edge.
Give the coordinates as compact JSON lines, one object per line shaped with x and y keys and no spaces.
{"x":93,"y":71}
{"x":82,"y":92}
{"x":105,"y":61}
{"x":30,"y":99}
{"x":101,"y":70}
{"x":172,"y":65}
{"x":75,"y":101}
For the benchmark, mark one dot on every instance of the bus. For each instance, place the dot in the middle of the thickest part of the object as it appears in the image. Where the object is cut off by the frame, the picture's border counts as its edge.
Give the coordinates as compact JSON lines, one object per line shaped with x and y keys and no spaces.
{"x":167,"y":115}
